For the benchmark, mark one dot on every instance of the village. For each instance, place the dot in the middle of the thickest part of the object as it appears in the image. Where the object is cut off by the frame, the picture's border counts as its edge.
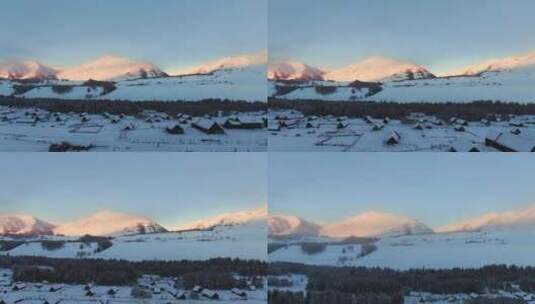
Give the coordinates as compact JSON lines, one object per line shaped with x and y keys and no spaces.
{"x":516,"y":295}
{"x":290,"y":130}
{"x":149,"y":289}
{"x":34,"y":129}
{"x":297,"y":283}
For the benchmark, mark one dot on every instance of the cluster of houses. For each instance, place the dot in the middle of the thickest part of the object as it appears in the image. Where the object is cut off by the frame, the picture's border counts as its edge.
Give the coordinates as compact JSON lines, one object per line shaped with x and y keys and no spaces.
{"x":29,"y":116}
{"x":499,"y":296}
{"x":162,"y":289}
{"x":495,"y":133}
{"x":173,"y":286}
{"x":207,"y":124}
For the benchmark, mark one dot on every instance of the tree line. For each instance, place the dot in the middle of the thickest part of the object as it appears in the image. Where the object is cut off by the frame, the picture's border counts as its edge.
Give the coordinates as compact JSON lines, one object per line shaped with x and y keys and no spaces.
{"x":383,"y":285}
{"x":122,"y":272}
{"x":473,"y":111}
{"x":117,"y":107}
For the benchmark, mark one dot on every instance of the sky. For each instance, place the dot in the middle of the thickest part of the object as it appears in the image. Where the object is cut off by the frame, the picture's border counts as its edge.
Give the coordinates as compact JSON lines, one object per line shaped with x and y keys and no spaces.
{"x":171,"y":34}
{"x":441,"y":35}
{"x":170,"y":188}
{"x":434,"y":189}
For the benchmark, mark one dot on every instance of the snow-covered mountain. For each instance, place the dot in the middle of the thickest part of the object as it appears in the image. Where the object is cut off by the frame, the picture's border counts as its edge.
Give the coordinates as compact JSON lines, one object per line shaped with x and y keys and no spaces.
{"x":403,"y":243}
{"x":237,"y":78}
{"x":108,"y":223}
{"x":507,"y":79}
{"x":375,"y":224}
{"x":29,"y":69}
{"x":501,"y":64}
{"x":291,"y":226}
{"x":20,"y":224}
{"x":247,"y":241}
{"x":111,"y":68}
{"x":516,"y":219}
{"x":104,"y":68}
{"x":233,"y":62}
{"x":293,"y":70}
{"x":227,"y":219}
{"x":379,"y":69}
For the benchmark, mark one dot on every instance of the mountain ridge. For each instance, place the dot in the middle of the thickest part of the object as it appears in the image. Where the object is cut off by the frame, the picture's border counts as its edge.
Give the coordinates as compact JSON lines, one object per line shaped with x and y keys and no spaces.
{"x":293,"y":70}
{"x":230,"y":62}
{"x":512,"y":219}
{"x":226,"y":219}
{"x":23,"y":224}
{"x":109,"y":223}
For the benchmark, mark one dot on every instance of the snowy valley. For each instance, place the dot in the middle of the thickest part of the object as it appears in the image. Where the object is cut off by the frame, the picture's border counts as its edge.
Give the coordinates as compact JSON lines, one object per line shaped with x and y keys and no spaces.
{"x":384,"y":258}
{"x":508,"y":79}
{"x":118,"y":78}
{"x":117,"y":104}
{"x":112,"y":235}
{"x":376,"y":239}
{"x":122,"y":258}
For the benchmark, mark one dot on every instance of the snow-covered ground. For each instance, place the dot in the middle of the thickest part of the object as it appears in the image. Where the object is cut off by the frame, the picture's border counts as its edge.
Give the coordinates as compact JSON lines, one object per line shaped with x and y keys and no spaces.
{"x":505,"y":79}
{"x":496,"y":86}
{"x":162,"y":290}
{"x":234,"y":84}
{"x":444,"y":250}
{"x":40,"y":129}
{"x":515,"y":86}
{"x":292,"y":131}
{"x":298,"y":282}
{"x":341,"y":92}
{"x":244,"y":241}
{"x":246,"y":83}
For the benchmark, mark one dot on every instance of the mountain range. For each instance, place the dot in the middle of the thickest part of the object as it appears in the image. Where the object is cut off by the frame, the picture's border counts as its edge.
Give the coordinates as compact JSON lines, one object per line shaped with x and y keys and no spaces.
{"x":380,"y":224}
{"x":513,"y":219}
{"x":227,"y":219}
{"x":382,"y":69}
{"x":372,"y":69}
{"x":109,"y":223}
{"x":115,"y":68}
{"x":500,"y":64}
{"x":293,"y":70}
{"x":233,"y":62}
{"x":22,"y":224}
{"x":508,"y":79}
{"x":368,"y":224}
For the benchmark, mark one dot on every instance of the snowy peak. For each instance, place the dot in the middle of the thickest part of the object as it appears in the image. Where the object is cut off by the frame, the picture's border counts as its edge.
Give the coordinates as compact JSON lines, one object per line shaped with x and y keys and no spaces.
{"x":26,"y":70}
{"x":501,"y":64}
{"x":234,"y":62}
{"x":106,"y":223}
{"x":293,"y":70}
{"x":111,"y":68}
{"x":289,"y":225}
{"x":228,"y":219}
{"x":379,"y":69}
{"x":375,"y":224}
{"x":518,"y":219}
{"x":15,"y":224}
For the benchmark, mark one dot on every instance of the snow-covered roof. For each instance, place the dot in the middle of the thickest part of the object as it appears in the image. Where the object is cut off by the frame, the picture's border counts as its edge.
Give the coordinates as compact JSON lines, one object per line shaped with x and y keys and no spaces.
{"x":204,"y":123}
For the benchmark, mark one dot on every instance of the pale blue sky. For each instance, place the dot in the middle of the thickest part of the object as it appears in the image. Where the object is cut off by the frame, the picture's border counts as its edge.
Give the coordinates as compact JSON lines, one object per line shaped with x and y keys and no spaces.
{"x":435,"y":189}
{"x":167,"y":187}
{"x":441,"y":35}
{"x":169,"y":33}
